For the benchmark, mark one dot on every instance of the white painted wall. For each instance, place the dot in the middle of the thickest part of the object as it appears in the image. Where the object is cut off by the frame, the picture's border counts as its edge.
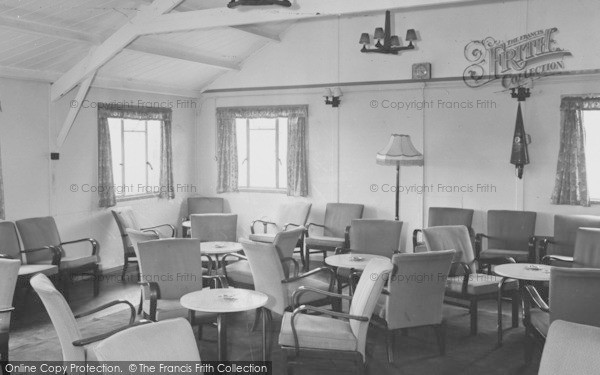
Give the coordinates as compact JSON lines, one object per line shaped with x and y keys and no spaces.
{"x":36,"y":186}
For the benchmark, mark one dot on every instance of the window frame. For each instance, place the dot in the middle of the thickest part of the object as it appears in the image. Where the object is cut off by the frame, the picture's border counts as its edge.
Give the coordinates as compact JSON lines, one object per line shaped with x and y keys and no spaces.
{"x":278,"y":162}
{"x":593,"y":200}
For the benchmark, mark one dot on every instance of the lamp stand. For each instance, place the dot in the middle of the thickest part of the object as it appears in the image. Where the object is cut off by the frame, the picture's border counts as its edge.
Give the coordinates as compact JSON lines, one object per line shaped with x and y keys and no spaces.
{"x":397,"y":192}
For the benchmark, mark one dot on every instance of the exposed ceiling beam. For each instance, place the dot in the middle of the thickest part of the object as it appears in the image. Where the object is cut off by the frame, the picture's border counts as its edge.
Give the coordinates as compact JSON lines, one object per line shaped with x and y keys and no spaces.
{"x":222,"y":17}
{"x":256,"y":31}
{"x":42,"y":29}
{"x":73,"y":111}
{"x":110,"y":47}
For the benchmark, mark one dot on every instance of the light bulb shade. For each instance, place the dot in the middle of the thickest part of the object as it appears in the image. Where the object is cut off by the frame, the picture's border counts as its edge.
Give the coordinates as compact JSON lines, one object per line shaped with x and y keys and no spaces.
{"x":365,"y":38}
{"x":395,"y":41}
{"x":400,"y":151}
{"x":327,"y":93}
{"x":379,"y":33}
{"x":337,"y":92}
{"x":411,"y":35}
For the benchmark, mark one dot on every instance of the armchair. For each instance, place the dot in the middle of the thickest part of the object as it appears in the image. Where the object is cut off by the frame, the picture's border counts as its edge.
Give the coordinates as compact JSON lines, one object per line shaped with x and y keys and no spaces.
{"x":571,"y":348}
{"x":240,"y":274}
{"x":125,"y":218}
{"x":337,"y":217}
{"x":214,"y":227}
{"x":9,"y":270}
{"x":510,"y":234}
{"x":171,"y":340}
{"x":441,"y":216}
{"x":563,"y":243}
{"x":332,"y":334}
{"x":464,"y":282}
{"x":42,"y":232}
{"x":201,"y":205}
{"x":573,"y":298}
{"x":416,"y":301}
{"x":74,"y":346}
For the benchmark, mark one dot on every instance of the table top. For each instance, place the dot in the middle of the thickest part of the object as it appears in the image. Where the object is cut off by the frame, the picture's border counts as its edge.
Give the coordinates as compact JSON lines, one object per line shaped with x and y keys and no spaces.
{"x":524,"y":271}
{"x":356,"y":261}
{"x":220,"y":247}
{"x":226,"y":300}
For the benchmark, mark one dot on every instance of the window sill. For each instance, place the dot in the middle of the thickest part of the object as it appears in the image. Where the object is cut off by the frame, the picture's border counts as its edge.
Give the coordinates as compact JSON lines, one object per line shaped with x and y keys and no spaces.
{"x":136,"y":197}
{"x":262,"y":190}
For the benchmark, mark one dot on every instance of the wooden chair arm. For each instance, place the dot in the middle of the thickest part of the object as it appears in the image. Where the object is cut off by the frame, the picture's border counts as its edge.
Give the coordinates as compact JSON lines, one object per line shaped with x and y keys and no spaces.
{"x":154,"y":290}
{"x":305,"y":289}
{"x":563,"y":258}
{"x":326,"y":270}
{"x":535,"y":298}
{"x":312,"y":224}
{"x":110,"y":304}
{"x":286,"y":225}
{"x":55,"y":258}
{"x":173,"y":230}
{"x":263,"y":222}
{"x":93,"y":242}
{"x":543,"y":246}
{"x":100,"y":337}
{"x":341,"y":250}
{"x":6,"y":310}
{"x":415,"y":238}
{"x":294,"y":262}
{"x":531,"y":247}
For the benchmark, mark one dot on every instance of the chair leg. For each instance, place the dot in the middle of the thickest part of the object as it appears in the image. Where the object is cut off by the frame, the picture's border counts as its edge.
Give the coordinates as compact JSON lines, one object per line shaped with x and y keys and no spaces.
{"x":269,"y":322}
{"x":97,"y":276}
{"x":125,"y":265}
{"x":389,"y":342}
{"x":257,"y":317}
{"x":141,"y":306}
{"x":64,"y":280}
{"x":306,"y":258}
{"x":473,"y":313}
{"x":440,"y":335}
{"x":516,"y":301}
{"x":528,"y":348}
{"x":4,"y":353}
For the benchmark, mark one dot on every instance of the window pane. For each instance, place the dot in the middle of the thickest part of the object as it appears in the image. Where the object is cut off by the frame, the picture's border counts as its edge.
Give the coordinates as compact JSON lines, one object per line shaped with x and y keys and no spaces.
{"x":283,"y":124}
{"x":134,"y":125}
{"x":154,"y":138}
{"x":135,"y":162}
{"x":242,"y":139}
{"x":262,"y":153}
{"x":114,"y":126}
{"x":591,"y":122}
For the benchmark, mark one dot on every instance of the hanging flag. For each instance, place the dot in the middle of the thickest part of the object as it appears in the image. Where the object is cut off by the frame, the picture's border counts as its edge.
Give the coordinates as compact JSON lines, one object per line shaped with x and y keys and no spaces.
{"x":520,"y":155}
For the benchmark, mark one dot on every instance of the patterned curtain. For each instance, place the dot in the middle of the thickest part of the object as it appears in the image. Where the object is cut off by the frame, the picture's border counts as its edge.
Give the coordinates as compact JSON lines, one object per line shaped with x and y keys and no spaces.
{"x":166,"y":162}
{"x":297,"y":175}
{"x":227,"y":157}
{"x":2,"y":214}
{"x":106,"y":183}
{"x":571,"y":177}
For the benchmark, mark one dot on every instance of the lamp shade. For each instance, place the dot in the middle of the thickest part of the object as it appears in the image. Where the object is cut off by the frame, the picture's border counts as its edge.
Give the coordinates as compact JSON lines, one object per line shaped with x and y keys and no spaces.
{"x":400,"y":151}
{"x":411,"y":35}
{"x":395,"y":41}
{"x":327,"y":93}
{"x":337,"y":92}
{"x":379,"y":33}
{"x":365,"y":38}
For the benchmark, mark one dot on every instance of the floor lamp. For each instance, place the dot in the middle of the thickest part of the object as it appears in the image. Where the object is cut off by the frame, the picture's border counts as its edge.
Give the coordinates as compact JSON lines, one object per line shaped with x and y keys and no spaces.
{"x":399,"y":152}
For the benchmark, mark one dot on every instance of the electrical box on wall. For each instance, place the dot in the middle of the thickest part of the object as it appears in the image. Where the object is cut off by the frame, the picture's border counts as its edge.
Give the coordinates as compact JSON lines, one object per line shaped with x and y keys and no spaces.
{"x":54,"y":156}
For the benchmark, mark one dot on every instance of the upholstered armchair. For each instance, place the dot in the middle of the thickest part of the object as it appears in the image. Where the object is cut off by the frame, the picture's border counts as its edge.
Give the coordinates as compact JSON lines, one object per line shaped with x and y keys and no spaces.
{"x":172,"y":256}
{"x":441,"y":216}
{"x":414,"y":296}
{"x":331,"y":334}
{"x":571,"y":348}
{"x":562,"y":244}
{"x":201,"y":205}
{"x":337,"y":217}
{"x":75,"y":347}
{"x":170,"y":340}
{"x":42,"y":231}
{"x":239,"y":273}
{"x":9,"y":270}
{"x":510,"y":234}
{"x":126,"y":219}
{"x":586,"y":253}
{"x":464,"y":282}
{"x":214,"y":227}
{"x":573,"y":298}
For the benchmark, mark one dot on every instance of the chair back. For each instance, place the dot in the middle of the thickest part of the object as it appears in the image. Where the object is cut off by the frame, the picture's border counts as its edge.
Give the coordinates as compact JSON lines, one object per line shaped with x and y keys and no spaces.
{"x":169,"y":340}
{"x":451,"y":237}
{"x":295,"y":213}
{"x":375,"y":236}
{"x":417,"y":288}
{"x":574,"y":295}
{"x":9,"y":240}
{"x":62,"y":318}
{"x":127,"y":217}
{"x":587,"y":248}
{"x":137,"y":236}
{"x":510,"y":230}
{"x":39,"y":232}
{"x":441,"y":216}
{"x":175,"y":264}
{"x":9,"y":271}
{"x":205,"y":205}
{"x":365,"y":297}
{"x":571,"y":348}
{"x":565,"y":232}
{"x":286,"y":241}
{"x":214,"y":227}
{"x":339,"y":215}
{"x":267,"y":272}
{"x":122,"y":225}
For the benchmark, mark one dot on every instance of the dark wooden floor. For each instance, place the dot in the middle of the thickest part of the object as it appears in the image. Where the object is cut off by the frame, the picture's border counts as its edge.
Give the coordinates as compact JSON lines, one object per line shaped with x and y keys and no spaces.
{"x":33,"y":338}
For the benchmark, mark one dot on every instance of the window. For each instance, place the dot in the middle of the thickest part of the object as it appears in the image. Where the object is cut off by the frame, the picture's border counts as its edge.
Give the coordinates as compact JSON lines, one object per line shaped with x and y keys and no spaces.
{"x":135,"y":150}
{"x":591,"y":124}
{"x":262,"y":153}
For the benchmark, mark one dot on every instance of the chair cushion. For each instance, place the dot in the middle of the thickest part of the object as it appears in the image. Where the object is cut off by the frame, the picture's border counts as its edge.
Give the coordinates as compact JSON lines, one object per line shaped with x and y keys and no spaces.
{"x":318,"y":281}
{"x":324,"y":241}
{"x":32,"y":269}
{"x":540,"y":320}
{"x":240,"y":272}
{"x":317,"y":332}
{"x":515,"y":254}
{"x":479,"y":283}
{"x":171,"y":309}
{"x":74,"y":262}
{"x":262,"y":237}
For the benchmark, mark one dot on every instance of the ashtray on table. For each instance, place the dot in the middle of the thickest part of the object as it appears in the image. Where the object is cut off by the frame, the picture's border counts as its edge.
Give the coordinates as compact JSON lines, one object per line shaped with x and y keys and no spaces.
{"x":228,"y":297}
{"x":356,"y":259}
{"x":534,"y":267}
